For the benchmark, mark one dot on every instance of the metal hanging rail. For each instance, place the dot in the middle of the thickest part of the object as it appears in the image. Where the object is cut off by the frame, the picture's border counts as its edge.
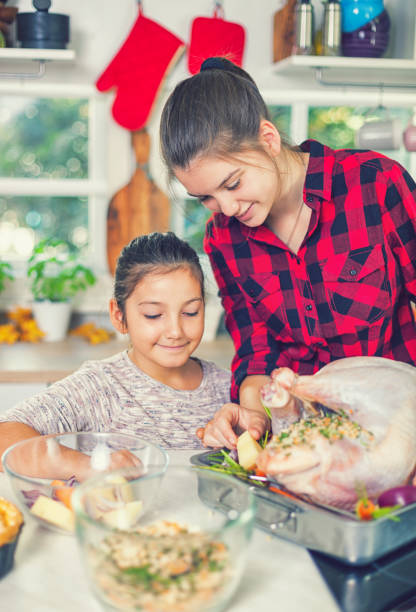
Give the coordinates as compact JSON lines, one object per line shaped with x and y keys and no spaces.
{"x":26,"y":75}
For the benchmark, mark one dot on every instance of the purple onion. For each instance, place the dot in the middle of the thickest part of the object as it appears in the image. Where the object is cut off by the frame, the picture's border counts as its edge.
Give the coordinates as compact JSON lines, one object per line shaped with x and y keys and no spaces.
{"x":31,"y":496}
{"x":398,"y":496}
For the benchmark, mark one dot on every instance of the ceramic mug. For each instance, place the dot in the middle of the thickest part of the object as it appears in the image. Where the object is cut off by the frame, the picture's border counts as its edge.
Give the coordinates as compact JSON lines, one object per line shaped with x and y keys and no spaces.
{"x":380,"y":135}
{"x":409,"y":137}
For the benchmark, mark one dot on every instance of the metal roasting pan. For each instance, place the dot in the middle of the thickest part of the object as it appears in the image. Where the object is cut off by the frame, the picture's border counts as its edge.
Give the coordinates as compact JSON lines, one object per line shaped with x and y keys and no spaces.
{"x":327,"y":530}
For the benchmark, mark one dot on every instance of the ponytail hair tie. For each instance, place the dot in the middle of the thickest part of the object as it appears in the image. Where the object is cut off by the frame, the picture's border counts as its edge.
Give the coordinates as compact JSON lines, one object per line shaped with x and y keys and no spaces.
{"x":213,"y":63}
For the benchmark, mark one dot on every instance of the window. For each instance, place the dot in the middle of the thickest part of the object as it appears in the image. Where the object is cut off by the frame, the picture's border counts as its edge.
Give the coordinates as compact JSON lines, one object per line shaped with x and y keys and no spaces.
{"x":281,"y":117}
{"x":52,"y":174}
{"x":24,"y":220}
{"x":195,"y":217}
{"x":42,"y":138}
{"x":336,"y":126}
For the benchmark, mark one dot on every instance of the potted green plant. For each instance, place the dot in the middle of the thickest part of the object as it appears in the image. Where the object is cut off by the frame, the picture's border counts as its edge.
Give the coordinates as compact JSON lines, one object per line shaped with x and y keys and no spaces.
{"x":5,"y":273}
{"x":57,"y":275}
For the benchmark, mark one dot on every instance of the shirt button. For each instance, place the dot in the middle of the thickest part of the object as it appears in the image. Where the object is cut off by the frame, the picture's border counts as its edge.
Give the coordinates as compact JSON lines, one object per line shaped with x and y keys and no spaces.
{"x":309,"y":307}
{"x":353,"y":272}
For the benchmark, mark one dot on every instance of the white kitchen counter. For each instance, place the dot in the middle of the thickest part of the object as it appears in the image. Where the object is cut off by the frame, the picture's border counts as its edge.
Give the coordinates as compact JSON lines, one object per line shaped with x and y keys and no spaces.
{"x":48,"y":575}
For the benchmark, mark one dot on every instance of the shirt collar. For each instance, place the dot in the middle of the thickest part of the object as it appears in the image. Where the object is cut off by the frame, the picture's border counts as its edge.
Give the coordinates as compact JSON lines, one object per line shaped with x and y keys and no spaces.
{"x":320,"y":167}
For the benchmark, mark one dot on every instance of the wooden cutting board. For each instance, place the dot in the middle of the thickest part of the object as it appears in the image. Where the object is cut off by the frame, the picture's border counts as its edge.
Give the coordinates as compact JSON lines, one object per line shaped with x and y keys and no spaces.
{"x":284,"y":23}
{"x":139,"y":207}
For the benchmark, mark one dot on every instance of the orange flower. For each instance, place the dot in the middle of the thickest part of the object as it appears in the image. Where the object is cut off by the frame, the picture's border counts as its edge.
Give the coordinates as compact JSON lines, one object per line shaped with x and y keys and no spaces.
{"x":30,"y":331}
{"x":8,"y":334}
{"x":19,"y":314}
{"x":83,"y":330}
{"x":92,"y":333}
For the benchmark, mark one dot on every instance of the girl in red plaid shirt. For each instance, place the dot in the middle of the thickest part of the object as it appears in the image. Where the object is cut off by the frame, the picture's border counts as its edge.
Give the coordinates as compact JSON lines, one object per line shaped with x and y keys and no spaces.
{"x":313,"y":249}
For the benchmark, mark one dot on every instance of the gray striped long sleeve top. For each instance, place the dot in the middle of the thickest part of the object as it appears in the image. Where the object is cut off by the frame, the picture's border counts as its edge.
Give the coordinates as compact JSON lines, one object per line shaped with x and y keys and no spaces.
{"x":114,"y":395}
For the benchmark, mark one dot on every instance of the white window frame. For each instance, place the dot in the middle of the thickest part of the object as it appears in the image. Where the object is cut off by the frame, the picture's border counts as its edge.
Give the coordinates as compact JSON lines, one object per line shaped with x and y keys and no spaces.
{"x":109,"y":163}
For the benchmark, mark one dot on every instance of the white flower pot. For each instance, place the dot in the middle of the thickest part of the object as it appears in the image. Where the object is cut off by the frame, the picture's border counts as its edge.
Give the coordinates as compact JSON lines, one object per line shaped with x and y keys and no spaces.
{"x":52,"y":318}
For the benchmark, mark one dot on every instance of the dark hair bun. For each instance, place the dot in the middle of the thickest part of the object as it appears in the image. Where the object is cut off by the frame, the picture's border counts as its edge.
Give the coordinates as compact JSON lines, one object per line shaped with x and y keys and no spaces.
{"x":212,"y":63}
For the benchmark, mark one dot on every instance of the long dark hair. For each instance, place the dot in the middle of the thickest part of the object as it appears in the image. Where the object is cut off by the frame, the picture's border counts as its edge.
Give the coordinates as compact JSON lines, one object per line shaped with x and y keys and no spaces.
{"x":152,"y":253}
{"x":217,"y":111}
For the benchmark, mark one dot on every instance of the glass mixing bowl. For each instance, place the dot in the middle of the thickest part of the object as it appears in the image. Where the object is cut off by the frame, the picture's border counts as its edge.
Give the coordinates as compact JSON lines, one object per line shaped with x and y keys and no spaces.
{"x":44,"y":471}
{"x":160,"y":543}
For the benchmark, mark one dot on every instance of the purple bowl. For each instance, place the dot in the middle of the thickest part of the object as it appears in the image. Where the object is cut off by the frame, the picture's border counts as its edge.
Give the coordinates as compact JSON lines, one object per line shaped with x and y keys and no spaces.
{"x":347,"y":52}
{"x":370,"y":40}
{"x":351,"y":51}
{"x":364,"y":43}
{"x":369,"y":44}
{"x":362,"y":52}
{"x":361,"y":35}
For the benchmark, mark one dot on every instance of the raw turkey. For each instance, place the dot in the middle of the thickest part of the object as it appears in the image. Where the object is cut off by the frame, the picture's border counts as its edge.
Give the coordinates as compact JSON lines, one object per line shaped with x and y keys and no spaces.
{"x":367,"y":441}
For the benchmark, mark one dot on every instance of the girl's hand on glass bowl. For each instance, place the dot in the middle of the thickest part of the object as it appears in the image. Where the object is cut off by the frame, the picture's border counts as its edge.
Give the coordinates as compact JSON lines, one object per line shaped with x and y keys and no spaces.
{"x":123,"y":458}
{"x":222,"y":430}
{"x":85,"y":466}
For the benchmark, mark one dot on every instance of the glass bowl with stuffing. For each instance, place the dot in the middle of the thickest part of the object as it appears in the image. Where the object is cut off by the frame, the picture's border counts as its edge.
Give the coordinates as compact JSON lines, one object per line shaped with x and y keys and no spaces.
{"x":11,"y":523}
{"x":171,"y":543}
{"x":44,"y":471}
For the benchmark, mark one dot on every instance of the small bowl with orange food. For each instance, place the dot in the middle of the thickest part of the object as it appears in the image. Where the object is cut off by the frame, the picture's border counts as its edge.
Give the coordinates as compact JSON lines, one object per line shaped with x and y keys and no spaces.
{"x":11,"y":523}
{"x":45,"y":470}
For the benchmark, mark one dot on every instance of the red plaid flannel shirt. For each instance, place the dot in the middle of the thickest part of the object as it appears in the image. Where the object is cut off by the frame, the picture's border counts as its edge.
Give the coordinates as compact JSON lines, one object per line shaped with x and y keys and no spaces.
{"x":345,"y":293}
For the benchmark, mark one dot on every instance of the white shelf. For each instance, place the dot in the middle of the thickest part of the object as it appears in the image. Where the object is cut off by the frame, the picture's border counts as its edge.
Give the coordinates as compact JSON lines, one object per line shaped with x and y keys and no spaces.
{"x":365,"y":71}
{"x":397,"y":70}
{"x":56,"y":55}
{"x":351,"y":63}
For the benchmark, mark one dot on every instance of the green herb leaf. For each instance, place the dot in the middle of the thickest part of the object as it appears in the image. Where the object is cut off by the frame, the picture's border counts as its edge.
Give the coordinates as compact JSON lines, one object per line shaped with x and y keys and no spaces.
{"x":267,"y":411}
{"x":386,"y":511}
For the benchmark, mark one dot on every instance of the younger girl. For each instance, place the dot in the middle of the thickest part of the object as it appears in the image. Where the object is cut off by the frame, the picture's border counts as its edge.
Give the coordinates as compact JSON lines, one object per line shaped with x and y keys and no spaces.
{"x":155,"y":389}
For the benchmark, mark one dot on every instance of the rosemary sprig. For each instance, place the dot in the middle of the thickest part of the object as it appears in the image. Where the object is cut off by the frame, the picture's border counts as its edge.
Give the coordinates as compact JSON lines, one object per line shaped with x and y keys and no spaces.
{"x":221,"y":461}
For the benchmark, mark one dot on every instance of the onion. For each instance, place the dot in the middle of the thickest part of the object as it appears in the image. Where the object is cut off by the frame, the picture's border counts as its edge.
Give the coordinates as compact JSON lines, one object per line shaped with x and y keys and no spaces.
{"x":31,"y":496}
{"x":398,"y":496}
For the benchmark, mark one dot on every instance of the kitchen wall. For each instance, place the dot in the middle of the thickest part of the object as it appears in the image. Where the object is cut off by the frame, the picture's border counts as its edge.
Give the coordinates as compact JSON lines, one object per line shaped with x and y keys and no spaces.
{"x":98,"y":28}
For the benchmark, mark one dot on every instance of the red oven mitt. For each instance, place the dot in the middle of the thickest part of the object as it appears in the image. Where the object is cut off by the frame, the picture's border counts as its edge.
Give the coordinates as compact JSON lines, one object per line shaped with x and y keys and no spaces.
{"x":138,"y":70}
{"x":213,"y":36}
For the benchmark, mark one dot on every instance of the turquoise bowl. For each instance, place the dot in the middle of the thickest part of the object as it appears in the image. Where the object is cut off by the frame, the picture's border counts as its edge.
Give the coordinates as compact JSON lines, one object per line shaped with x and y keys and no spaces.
{"x":356,"y":13}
